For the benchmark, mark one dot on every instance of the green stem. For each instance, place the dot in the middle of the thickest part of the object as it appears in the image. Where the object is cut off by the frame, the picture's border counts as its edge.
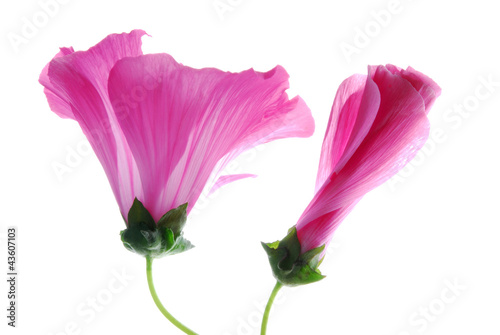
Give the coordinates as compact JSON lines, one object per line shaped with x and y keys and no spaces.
{"x":268,"y":307}
{"x":149,"y":264}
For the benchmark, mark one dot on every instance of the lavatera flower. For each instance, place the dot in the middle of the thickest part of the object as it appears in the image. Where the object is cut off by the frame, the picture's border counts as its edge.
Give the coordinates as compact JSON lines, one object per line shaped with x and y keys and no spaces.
{"x":164,"y":132}
{"x":377,"y":125}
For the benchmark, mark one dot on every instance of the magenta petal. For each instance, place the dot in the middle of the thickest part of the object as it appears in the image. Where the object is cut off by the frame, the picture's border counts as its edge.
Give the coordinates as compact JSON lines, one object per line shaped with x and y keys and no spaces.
{"x":223,"y":180}
{"x":426,"y":87}
{"x":56,"y":103}
{"x":76,"y":83}
{"x":353,"y":112}
{"x":399,"y":130}
{"x":342,"y":119}
{"x":184,"y":125}
{"x":320,"y":230}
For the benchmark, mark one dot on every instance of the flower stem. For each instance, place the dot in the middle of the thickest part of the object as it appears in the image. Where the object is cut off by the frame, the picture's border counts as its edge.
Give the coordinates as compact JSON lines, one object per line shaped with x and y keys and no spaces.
{"x":268,"y":307}
{"x":175,"y":322}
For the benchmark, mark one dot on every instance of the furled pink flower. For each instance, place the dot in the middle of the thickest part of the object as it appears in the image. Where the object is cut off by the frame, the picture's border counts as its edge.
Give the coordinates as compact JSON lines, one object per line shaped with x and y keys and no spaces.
{"x":162,"y":130}
{"x":377,"y":124}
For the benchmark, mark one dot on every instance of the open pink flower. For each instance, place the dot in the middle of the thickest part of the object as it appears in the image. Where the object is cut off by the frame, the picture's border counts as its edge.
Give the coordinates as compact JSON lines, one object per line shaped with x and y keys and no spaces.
{"x":377,"y":124}
{"x":162,"y":130}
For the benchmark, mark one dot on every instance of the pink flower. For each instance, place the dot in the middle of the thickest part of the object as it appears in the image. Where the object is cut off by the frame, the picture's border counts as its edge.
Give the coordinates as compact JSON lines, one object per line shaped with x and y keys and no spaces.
{"x":161,"y":130}
{"x":377,"y":125}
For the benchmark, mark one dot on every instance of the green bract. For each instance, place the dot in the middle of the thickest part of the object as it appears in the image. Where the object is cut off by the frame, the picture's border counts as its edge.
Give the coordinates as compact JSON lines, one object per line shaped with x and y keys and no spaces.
{"x":147,"y":238}
{"x":289,"y":266}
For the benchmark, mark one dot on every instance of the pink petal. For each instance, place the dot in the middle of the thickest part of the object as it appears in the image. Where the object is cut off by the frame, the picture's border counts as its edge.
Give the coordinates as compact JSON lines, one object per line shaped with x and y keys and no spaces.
{"x":400,"y":129}
{"x":186,"y":124}
{"x":320,"y":230}
{"x":425,"y":86}
{"x":56,"y":103}
{"x":76,"y":83}
{"x":353,"y":112}
{"x":223,"y":180}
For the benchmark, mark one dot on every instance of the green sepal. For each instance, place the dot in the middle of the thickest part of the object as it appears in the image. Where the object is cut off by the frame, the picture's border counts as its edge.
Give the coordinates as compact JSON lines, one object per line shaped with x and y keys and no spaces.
{"x":147,"y":238}
{"x":175,"y":219}
{"x":173,"y":244}
{"x":289,"y":266}
{"x":139,"y":214}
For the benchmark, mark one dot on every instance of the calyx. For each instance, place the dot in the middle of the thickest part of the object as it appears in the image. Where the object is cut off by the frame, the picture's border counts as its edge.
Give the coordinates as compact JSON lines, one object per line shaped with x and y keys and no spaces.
{"x":289,"y":266}
{"x":153,"y":239}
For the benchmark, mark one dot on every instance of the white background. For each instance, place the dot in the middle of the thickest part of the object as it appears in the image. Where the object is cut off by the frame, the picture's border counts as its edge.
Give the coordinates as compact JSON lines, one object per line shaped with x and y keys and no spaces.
{"x":392,"y":258}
